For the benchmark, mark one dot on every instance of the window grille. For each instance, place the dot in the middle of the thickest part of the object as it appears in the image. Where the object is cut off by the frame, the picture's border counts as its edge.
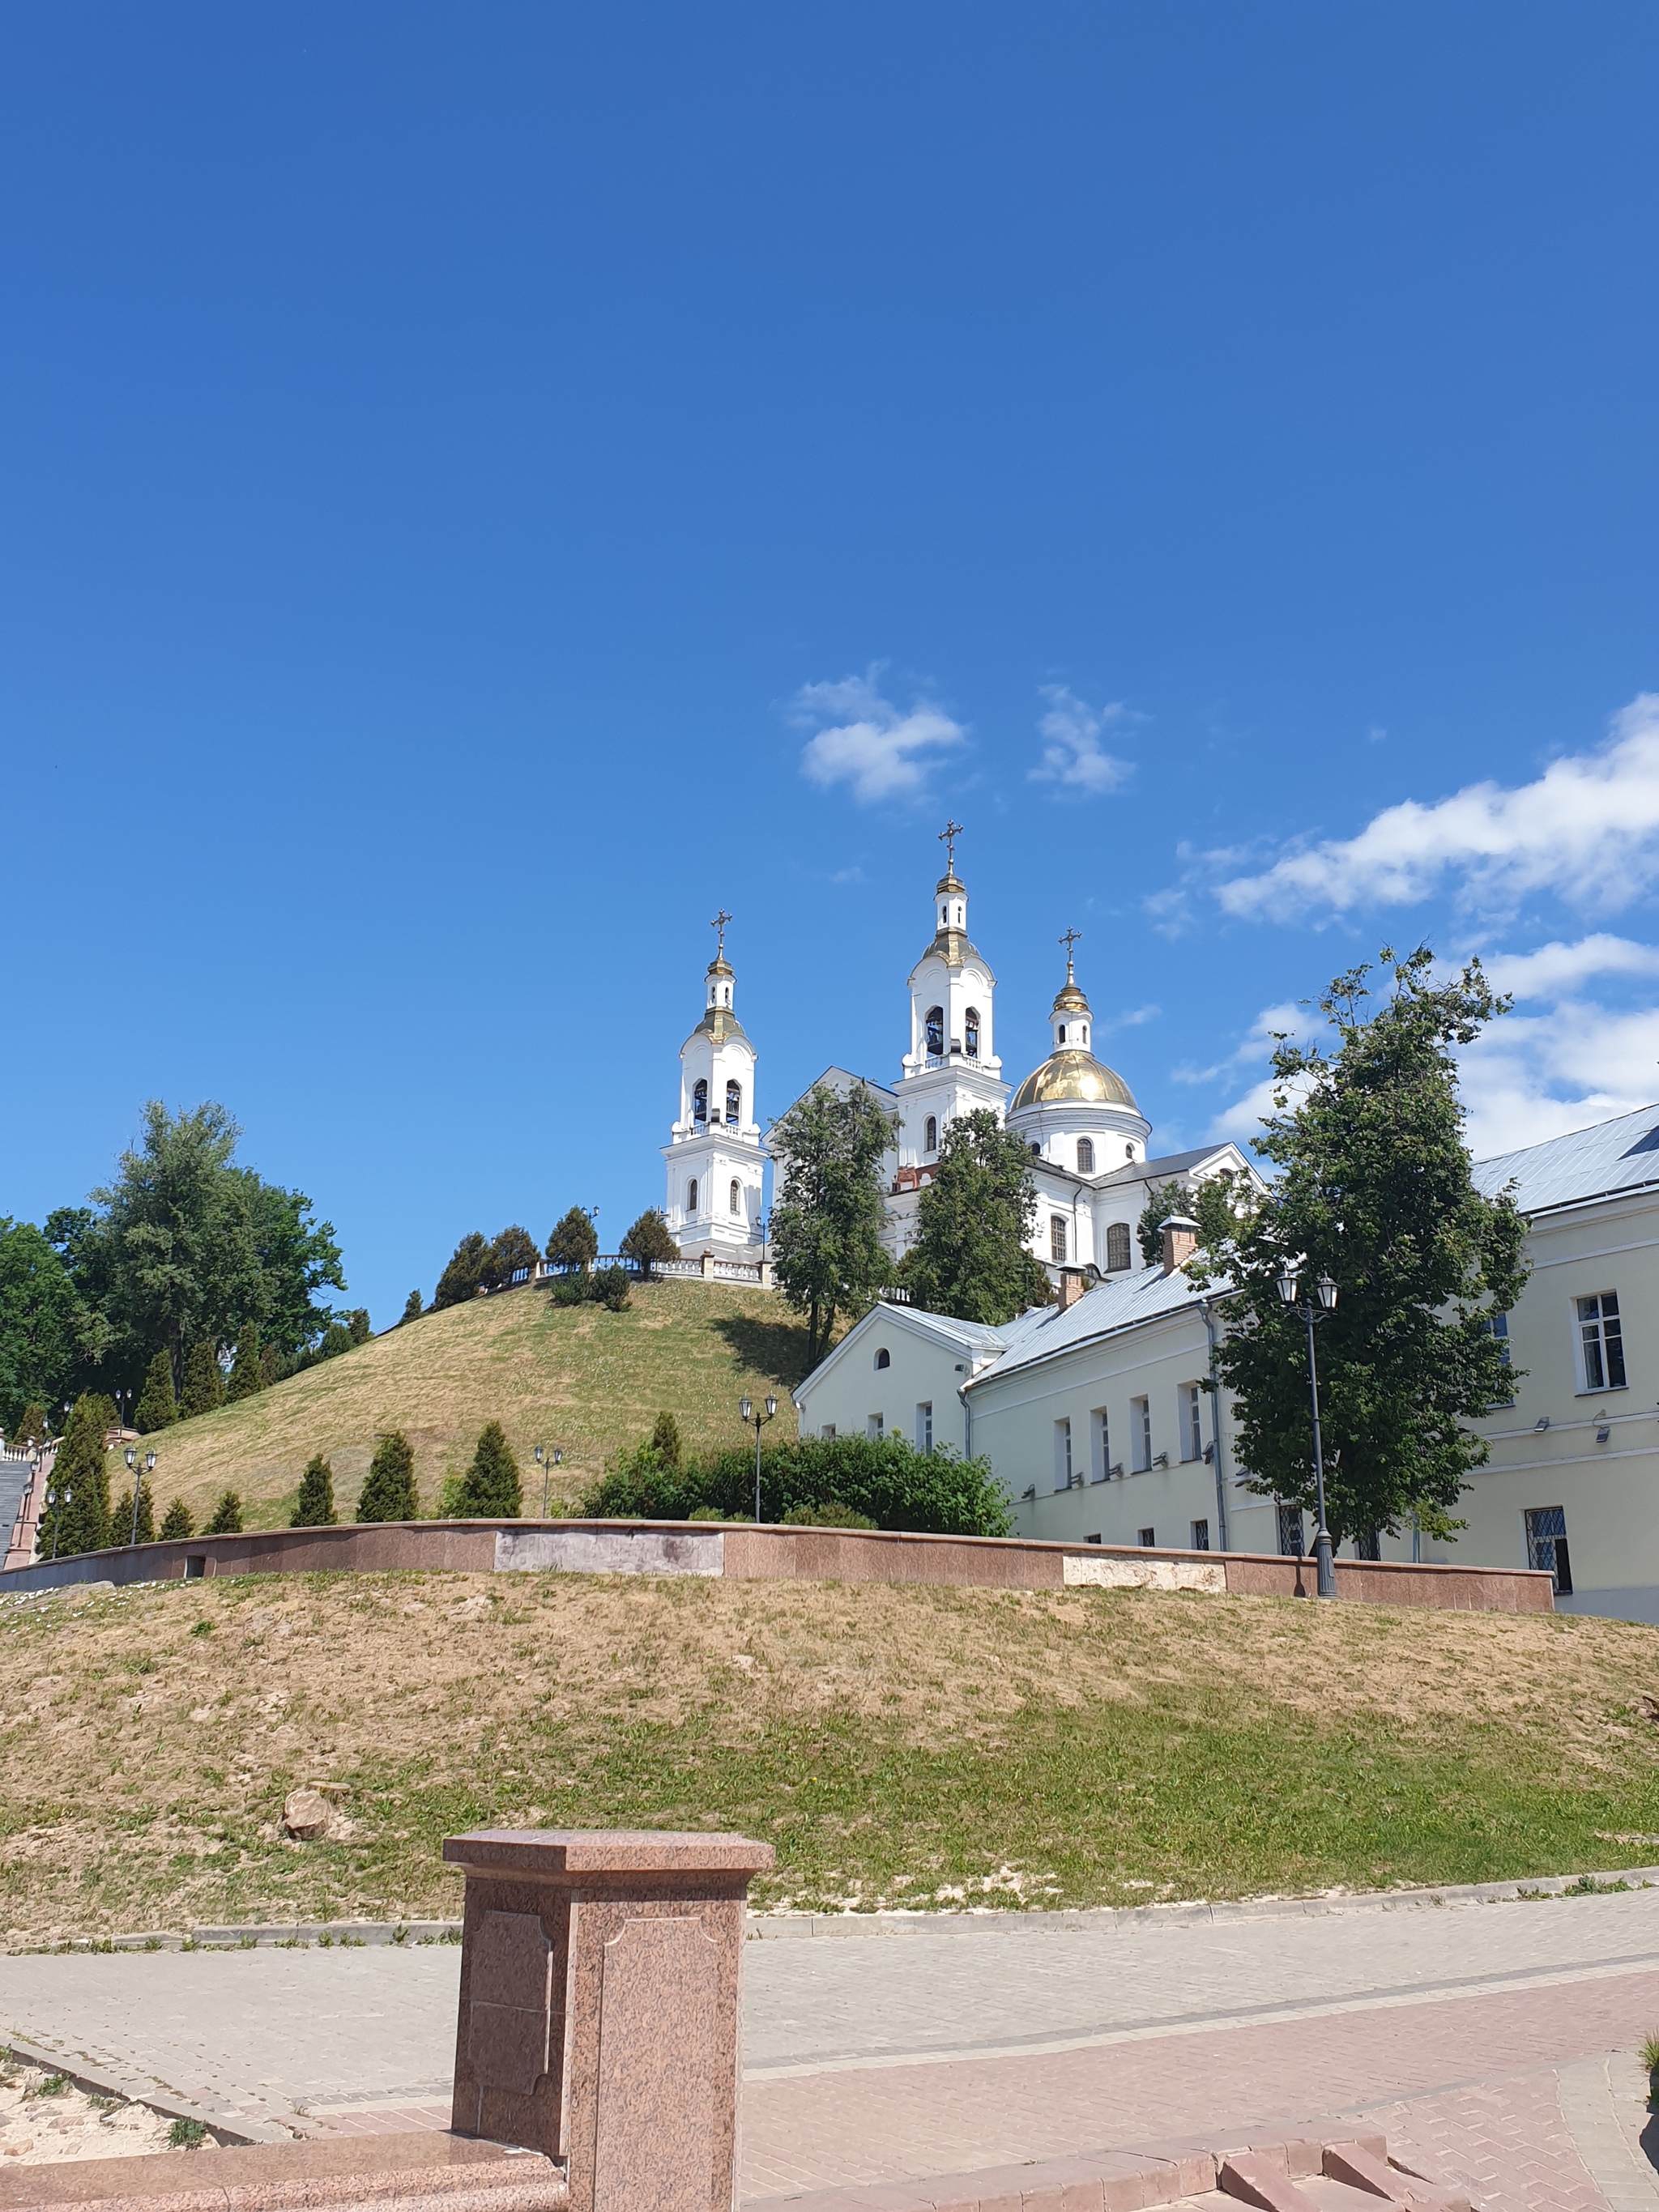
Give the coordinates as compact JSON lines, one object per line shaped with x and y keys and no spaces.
{"x":1086,"y":1156}
{"x":1117,"y":1246}
{"x":1201,"y":1536}
{"x":1368,"y":1545}
{"x":1546,"y":1545}
{"x":1603,"y":1341}
{"x":932,"y":1128}
{"x":1148,"y":1537}
{"x":737,"y":1199}
{"x":1291,"y":1542}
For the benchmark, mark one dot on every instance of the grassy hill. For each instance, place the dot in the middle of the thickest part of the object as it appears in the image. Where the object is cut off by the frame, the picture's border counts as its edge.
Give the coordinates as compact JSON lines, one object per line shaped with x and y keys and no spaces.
{"x":577,"y":1376}
{"x":898,"y":1746}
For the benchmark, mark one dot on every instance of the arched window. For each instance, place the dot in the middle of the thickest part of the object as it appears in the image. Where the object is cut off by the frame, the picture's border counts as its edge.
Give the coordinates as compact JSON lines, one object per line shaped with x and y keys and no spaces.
{"x":1085,"y":1155}
{"x":737,"y":1197}
{"x":971,"y":1032}
{"x":1128,"y":1152}
{"x":936,"y":1031}
{"x":1061,"y":1039}
{"x":733,"y":1104}
{"x":931,"y":1140}
{"x":1117,"y":1246}
{"x":699,"y":1100}
{"x":883,"y":1358}
{"x":1036,"y":1151}
{"x":691,"y":1195}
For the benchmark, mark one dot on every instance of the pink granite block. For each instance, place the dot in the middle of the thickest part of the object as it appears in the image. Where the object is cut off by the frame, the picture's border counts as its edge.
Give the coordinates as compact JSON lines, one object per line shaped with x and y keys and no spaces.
{"x":1361,"y":2167}
{"x":1189,"y":2163}
{"x":1261,"y":2181}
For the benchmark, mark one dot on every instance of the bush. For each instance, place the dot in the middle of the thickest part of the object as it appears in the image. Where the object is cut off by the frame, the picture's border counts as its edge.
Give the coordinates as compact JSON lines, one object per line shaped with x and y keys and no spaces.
{"x":157,"y":1407}
{"x":491,"y":1489}
{"x":605,"y":1286}
{"x":120,"y":1518}
{"x":829,"y":1513}
{"x":177,"y":1524}
{"x":883,"y":1480}
{"x":666,"y":1441}
{"x":388,"y":1492}
{"x":226,"y":1516}
{"x":611,"y":1288}
{"x":204,"y":1386}
{"x":314,"y":1507}
{"x":247,"y":1376}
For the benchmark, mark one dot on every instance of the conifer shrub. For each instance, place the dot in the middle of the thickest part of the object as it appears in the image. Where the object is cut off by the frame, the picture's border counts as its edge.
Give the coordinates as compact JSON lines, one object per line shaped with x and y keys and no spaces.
{"x":388,"y":1492}
{"x":357,"y":1325}
{"x":513,"y":1253}
{"x":120,"y":1518}
{"x":226,"y":1516}
{"x":574,"y":1241}
{"x":666,"y":1441}
{"x":611,"y":1288}
{"x":204,"y":1385}
{"x":176,"y":1523}
{"x":649,"y":1241}
{"x":491,"y":1489}
{"x":30,"y":1427}
{"x":157,"y":1407}
{"x":885,"y":1481}
{"x":77,"y":1514}
{"x":462,"y":1279}
{"x":314,"y":1506}
{"x":413,"y":1309}
{"x":246,"y":1379}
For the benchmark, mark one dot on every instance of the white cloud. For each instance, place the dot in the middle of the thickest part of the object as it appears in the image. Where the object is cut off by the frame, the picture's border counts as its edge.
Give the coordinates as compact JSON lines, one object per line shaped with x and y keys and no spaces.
{"x":1072,"y":756}
{"x":1555,"y":970}
{"x":1586,"y":828}
{"x":863,"y":740}
{"x":1135,"y":1018}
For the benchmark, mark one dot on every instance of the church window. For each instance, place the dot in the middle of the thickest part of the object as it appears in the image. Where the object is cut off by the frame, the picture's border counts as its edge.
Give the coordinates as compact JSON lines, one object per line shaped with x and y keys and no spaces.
{"x":691,"y":1195}
{"x":1117,"y":1246}
{"x":699,"y":1100}
{"x":932,"y":1133}
{"x":1086,"y":1156}
{"x":1128,"y":1152}
{"x":936,"y":1030}
{"x":883,"y":1358}
{"x":737,"y":1197}
{"x":734,"y":1105}
{"x":1062,"y":1033}
{"x":971,"y":1032}
{"x":1057,"y":1238}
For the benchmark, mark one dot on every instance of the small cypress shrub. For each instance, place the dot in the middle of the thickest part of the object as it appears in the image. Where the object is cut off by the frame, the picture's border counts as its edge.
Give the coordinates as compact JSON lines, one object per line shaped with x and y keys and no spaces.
{"x":412,"y":1308}
{"x":388,"y":1492}
{"x":314,"y":1507}
{"x":120,"y":1518}
{"x":461,"y":1278}
{"x":491,"y":1489}
{"x":176,"y":1523}
{"x":157,"y":1407}
{"x":226,"y":1516}
{"x":574,"y":1241}
{"x":30,"y":1427}
{"x":79,"y":1520}
{"x":649,"y":1241}
{"x":358,"y":1326}
{"x":611,"y":1288}
{"x":666,"y":1441}
{"x":246,"y":1379}
{"x":204,"y":1386}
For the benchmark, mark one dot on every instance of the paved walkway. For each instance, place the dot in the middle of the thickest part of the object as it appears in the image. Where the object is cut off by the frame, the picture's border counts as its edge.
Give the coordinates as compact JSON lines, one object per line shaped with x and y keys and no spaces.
{"x":1467,"y":2031}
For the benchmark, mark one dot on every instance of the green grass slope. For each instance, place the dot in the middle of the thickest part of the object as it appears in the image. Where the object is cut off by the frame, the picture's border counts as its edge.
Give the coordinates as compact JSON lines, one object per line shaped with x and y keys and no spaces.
{"x":898,"y":1746}
{"x":577,"y":1376}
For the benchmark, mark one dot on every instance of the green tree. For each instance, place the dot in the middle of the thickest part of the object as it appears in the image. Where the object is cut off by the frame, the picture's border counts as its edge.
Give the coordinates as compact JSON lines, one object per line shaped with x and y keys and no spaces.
{"x":247,"y":1376}
{"x":666,"y":1441}
{"x":1216,"y":1203}
{"x":227,"y":1516}
{"x":513,"y":1250}
{"x":297,"y":1258}
{"x":461,"y":1278}
{"x":611,"y":1288}
{"x":45,"y":1330}
{"x":120,"y":1519}
{"x":491,"y":1489}
{"x":204,"y":1383}
{"x":413,"y":1309}
{"x":826,"y":1226}
{"x":388,"y":1492}
{"x":30,"y":1427}
{"x":649,"y":1241}
{"x":357,"y":1325}
{"x":970,"y":1257}
{"x":1373,"y":1187}
{"x":76,"y":1518}
{"x":574,"y":1241}
{"x":176,"y":1523}
{"x":157,"y":1407}
{"x":314,"y":1506}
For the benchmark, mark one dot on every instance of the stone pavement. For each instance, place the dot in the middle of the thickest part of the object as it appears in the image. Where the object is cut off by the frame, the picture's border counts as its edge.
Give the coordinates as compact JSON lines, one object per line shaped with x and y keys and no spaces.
{"x":1473,"y":2032}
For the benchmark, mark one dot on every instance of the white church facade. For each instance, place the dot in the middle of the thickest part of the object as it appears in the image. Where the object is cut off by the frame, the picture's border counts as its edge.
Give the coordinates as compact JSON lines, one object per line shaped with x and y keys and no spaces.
{"x":1088,"y":1138}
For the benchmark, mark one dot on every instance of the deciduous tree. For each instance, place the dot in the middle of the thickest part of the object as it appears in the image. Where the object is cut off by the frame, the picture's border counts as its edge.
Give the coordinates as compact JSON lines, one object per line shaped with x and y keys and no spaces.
{"x":45,"y":1327}
{"x":826,"y":1226}
{"x":971,"y":1258}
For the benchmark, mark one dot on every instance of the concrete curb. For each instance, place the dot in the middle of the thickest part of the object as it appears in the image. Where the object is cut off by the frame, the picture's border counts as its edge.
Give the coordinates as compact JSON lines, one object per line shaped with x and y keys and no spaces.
{"x":320,"y":1935}
{"x":101,"y":2081}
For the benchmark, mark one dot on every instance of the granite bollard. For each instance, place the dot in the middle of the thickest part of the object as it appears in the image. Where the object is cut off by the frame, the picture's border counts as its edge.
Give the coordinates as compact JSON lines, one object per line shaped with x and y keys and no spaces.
{"x":598,"y":2012}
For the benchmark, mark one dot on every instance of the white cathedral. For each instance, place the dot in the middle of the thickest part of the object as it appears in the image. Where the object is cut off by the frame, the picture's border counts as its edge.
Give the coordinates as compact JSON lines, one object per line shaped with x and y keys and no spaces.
{"x":1088,"y":1138}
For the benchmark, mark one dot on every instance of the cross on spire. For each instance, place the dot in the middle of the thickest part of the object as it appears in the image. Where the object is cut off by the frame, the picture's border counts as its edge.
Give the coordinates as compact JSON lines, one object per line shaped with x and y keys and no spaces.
{"x":718,"y":923}
{"x":947,"y":837}
{"x":1071,"y":938}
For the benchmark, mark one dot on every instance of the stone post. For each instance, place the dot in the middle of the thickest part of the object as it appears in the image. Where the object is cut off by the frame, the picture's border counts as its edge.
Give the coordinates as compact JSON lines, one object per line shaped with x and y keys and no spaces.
{"x":599,"y":2014}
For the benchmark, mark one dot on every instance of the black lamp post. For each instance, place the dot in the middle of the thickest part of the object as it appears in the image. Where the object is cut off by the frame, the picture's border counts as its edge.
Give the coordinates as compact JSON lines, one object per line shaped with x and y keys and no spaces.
{"x":1325,"y":1292}
{"x":756,"y":1422}
{"x":547,"y":1461}
{"x":131,"y":1457}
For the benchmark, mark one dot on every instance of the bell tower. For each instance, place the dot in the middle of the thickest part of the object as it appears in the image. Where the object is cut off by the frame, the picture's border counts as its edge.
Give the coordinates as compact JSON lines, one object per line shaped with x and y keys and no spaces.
{"x":716,"y":1168}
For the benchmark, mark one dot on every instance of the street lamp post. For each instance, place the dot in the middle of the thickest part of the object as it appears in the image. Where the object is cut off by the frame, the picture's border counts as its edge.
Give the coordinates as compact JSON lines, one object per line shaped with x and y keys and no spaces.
{"x":547,"y":1461}
{"x":131,"y":1457}
{"x":756,"y":1422}
{"x":1311,"y":1312}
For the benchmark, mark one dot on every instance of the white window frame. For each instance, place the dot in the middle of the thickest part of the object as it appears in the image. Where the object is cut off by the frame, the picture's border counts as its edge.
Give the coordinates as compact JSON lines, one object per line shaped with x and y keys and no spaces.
{"x":1063,"y":1453}
{"x":875,"y":1427}
{"x":1058,"y":1241}
{"x":828,"y":1432}
{"x":925,"y":1425}
{"x":1141,"y":1432}
{"x":1192,"y":1421}
{"x":1602,"y":1342}
{"x":1100,"y":1445}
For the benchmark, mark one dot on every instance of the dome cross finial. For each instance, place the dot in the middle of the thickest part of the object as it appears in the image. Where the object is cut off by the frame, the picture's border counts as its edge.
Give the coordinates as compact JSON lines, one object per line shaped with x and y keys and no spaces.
{"x":1071,"y":937}
{"x":718,"y":923}
{"x":947,"y":837}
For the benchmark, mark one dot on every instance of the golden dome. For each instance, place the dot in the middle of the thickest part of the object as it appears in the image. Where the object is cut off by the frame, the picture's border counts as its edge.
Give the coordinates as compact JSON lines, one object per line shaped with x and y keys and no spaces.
{"x":1071,"y":1075}
{"x":720,"y":1023}
{"x":1069,"y":999}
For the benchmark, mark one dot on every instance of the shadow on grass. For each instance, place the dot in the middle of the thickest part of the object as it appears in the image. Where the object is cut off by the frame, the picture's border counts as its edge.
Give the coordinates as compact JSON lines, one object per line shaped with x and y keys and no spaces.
{"x":777,"y":1348}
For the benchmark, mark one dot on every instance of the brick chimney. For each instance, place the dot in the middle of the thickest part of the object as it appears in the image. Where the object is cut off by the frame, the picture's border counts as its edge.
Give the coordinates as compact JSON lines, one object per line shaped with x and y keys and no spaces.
{"x":1073,"y":1281}
{"x":1180,"y":1236}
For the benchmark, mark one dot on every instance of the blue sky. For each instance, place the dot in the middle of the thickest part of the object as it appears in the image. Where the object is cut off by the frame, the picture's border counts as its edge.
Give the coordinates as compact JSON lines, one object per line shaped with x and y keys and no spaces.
{"x":481,"y":487}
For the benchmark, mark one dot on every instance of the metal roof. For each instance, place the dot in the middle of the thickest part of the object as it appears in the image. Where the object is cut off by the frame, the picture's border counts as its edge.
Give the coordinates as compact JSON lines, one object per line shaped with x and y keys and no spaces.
{"x":1172,"y":1164}
{"x":1621,"y":1155}
{"x":1123,"y":1302}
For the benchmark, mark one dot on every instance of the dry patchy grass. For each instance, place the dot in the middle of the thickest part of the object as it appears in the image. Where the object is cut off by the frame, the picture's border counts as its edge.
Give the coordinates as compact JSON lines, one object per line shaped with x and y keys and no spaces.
{"x":577,"y":1376}
{"x":896,"y":1745}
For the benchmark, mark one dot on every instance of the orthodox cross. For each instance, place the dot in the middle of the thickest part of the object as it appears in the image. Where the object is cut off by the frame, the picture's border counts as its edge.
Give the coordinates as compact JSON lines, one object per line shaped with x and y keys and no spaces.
{"x":1071,"y":937}
{"x":947,"y":837}
{"x":718,"y":923}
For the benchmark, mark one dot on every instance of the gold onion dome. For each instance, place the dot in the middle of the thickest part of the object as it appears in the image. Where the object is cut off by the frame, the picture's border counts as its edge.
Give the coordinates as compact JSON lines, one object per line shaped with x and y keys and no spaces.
{"x":1073,"y":1075}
